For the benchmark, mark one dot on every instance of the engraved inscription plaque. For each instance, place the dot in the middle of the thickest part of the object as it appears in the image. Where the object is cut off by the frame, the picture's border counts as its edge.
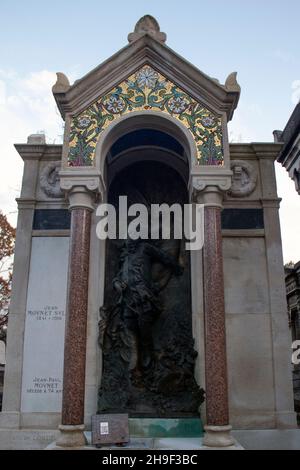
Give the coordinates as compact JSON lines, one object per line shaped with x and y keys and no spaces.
{"x":110,"y":429}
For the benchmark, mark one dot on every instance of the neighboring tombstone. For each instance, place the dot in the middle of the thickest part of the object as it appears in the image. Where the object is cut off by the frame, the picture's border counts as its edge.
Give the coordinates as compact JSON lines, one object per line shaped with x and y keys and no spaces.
{"x":110,"y":429}
{"x":2,"y":352}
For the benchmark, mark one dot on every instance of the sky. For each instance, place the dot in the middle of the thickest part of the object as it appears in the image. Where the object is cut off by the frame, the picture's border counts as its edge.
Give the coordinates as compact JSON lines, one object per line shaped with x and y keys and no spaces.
{"x":258,"y":39}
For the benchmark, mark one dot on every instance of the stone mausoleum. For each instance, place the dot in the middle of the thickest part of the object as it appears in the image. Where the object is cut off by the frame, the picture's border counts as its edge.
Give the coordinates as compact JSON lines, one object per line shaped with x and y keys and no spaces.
{"x":212,"y":344}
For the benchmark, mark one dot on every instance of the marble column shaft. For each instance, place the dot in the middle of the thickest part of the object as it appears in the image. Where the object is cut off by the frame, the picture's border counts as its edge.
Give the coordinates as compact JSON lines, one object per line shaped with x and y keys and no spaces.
{"x":215,"y":338}
{"x":76,"y":319}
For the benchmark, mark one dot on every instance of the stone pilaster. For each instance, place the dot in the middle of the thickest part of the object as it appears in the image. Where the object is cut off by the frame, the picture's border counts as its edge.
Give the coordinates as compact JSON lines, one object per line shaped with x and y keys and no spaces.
{"x":31,"y":153}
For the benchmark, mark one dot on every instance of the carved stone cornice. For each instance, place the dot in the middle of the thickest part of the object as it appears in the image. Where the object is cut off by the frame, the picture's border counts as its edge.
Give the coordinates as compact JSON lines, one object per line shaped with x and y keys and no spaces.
{"x":39,"y":151}
{"x":273,"y":203}
{"x":25,"y":203}
{"x":254,"y":150}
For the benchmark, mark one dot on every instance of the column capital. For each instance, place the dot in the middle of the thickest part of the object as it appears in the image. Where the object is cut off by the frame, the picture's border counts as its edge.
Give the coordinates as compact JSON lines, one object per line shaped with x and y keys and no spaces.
{"x":209,"y":188}
{"x":83,"y":187}
{"x":210,"y":196}
{"x":80,"y":197}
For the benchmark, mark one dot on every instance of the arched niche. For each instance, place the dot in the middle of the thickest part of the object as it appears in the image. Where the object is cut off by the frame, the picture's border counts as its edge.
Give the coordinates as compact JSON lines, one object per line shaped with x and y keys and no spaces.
{"x":147,"y":160}
{"x":144,"y":120}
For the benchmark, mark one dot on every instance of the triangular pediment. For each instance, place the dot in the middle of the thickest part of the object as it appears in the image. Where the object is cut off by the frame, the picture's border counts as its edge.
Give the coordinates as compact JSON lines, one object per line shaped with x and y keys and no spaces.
{"x":146,"y":76}
{"x":146,"y":50}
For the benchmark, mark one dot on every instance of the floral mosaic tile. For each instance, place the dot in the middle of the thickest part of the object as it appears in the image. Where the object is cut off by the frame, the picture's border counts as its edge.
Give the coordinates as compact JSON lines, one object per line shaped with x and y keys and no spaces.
{"x":147,"y":89}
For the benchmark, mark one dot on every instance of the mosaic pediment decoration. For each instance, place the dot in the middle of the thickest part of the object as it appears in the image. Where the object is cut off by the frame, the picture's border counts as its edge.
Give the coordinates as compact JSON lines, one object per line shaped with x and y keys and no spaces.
{"x":147,"y":89}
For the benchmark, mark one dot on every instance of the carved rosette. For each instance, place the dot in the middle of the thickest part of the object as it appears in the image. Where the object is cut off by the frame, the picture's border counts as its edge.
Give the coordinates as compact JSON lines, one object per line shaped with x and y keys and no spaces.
{"x":244,"y":178}
{"x":49,"y":180}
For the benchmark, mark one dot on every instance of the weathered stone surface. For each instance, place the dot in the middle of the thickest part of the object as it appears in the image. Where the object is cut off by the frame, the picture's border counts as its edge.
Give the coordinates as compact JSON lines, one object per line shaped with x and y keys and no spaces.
{"x":250,"y":375}
{"x":245,"y":275}
{"x":31,"y":439}
{"x":44,"y":326}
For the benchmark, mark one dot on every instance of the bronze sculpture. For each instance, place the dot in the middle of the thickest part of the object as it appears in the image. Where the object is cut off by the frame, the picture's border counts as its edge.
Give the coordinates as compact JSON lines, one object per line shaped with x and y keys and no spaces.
{"x":137,"y":377}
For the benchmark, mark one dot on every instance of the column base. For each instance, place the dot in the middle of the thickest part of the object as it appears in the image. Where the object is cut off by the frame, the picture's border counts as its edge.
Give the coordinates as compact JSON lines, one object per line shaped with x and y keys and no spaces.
{"x":218,"y":436}
{"x":71,"y":436}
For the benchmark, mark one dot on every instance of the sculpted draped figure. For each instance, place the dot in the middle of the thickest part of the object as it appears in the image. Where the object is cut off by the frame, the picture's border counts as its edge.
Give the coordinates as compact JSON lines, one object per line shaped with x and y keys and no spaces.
{"x":145,"y":326}
{"x":138,"y":296}
{"x":138,"y":376}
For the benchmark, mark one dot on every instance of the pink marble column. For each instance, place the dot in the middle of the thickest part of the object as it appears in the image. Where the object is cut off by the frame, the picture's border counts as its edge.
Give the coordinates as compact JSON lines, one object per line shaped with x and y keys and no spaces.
{"x":215,"y":341}
{"x":76,"y":320}
{"x":217,"y":414}
{"x":72,"y":424}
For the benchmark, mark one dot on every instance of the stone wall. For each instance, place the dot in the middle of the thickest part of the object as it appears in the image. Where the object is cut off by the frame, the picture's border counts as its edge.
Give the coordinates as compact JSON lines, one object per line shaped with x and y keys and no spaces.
{"x":258,"y":338}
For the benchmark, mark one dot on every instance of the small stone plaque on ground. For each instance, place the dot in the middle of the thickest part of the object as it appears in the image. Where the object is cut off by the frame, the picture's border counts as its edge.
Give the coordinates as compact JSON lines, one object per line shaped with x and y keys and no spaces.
{"x":110,"y":429}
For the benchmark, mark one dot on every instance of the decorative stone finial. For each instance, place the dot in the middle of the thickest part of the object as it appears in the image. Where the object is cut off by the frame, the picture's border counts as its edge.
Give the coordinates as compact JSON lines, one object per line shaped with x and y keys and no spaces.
{"x":231,"y":83}
{"x":36,"y":139}
{"x":62,"y":83}
{"x":147,"y":25}
{"x":277,"y":136}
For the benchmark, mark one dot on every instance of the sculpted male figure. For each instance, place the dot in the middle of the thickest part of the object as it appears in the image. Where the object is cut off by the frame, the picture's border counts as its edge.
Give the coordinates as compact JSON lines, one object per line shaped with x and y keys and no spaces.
{"x":138,"y":296}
